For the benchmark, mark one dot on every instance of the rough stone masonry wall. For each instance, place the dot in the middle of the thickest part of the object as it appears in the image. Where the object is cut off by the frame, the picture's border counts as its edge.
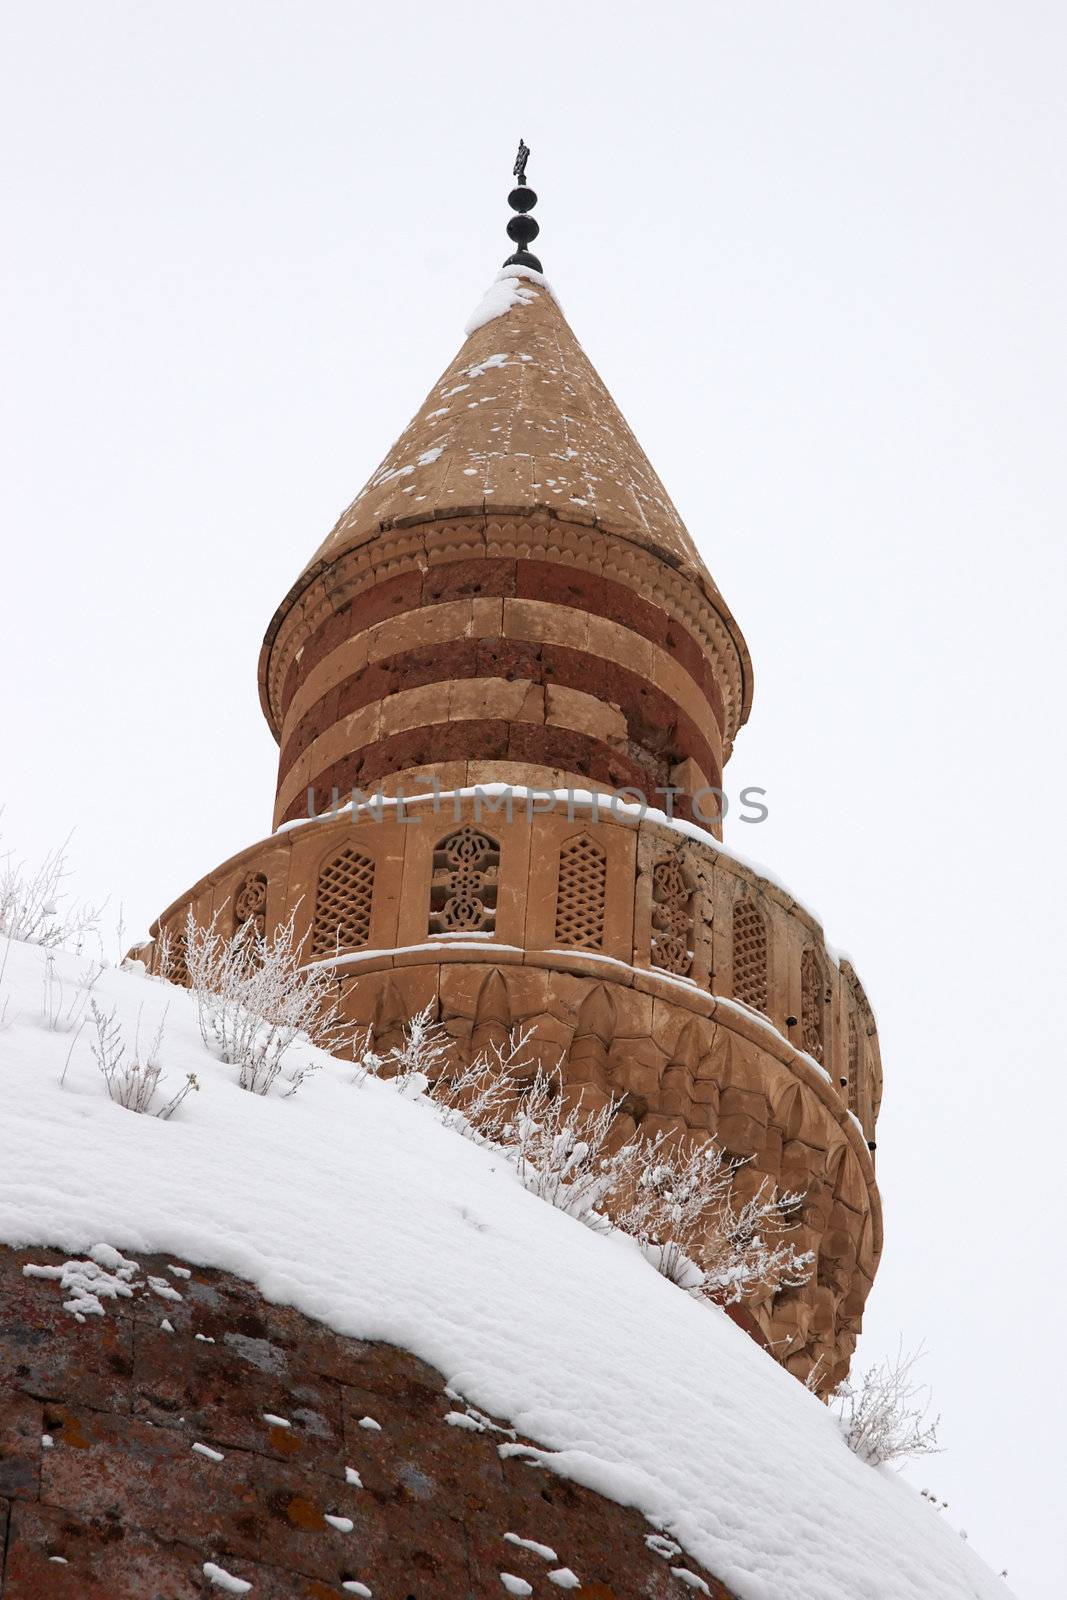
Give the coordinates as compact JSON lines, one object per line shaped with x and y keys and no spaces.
{"x":103,"y":1496}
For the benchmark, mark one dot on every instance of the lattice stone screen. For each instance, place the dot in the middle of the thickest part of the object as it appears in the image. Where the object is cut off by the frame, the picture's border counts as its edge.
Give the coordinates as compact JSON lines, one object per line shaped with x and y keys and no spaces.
{"x":853,"y":1065}
{"x":343,"y":899}
{"x":583,"y":873}
{"x":750,"y":955}
{"x":466,"y":866}
{"x":812,"y":1005}
{"x":174,"y":966}
{"x":672,"y":917}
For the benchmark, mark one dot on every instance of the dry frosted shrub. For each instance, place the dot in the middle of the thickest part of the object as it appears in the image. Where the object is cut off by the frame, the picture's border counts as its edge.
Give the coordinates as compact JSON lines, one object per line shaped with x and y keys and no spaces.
{"x":133,"y":1080}
{"x":471,"y":1099}
{"x":368,"y":1061}
{"x":681,"y":1210}
{"x":475,"y":1099}
{"x":421,"y":1057}
{"x":254,"y":1001}
{"x":63,"y":1009}
{"x":560,"y":1150}
{"x":170,"y":958}
{"x":743,"y":1248}
{"x":883,"y":1413}
{"x":674,"y":1196}
{"x":674,"y":1185}
{"x":563,"y":1152}
{"x":30,"y":902}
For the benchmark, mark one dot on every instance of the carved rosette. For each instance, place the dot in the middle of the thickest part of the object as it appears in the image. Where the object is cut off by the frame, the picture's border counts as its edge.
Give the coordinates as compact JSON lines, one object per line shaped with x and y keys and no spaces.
{"x":250,"y":906}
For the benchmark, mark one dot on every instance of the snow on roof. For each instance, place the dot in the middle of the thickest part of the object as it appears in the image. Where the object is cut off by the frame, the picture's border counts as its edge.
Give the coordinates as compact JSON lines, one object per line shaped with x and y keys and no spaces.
{"x":358,"y":1207}
{"x":505,"y":291}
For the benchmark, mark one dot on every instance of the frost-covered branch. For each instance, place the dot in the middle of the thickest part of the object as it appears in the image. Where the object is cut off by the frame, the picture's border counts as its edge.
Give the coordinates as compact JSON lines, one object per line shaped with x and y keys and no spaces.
{"x":562,"y":1151}
{"x":30,"y":902}
{"x":674,"y":1196}
{"x":133,"y":1080}
{"x":421,"y":1057}
{"x":475,"y":1099}
{"x":64,"y":1011}
{"x":745,"y":1249}
{"x":684,"y":1215}
{"x":883,"y":1413}
{"x":254,"y":1000}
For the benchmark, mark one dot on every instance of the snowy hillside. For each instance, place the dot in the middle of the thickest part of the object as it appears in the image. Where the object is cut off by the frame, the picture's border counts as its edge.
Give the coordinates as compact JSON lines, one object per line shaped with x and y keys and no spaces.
{"x":356,"y":1205}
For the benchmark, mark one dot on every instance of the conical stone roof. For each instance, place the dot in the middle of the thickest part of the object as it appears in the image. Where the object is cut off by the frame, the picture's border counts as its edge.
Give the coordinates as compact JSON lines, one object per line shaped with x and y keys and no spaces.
{"x":520,"y":425}
{"x":519,"y":421}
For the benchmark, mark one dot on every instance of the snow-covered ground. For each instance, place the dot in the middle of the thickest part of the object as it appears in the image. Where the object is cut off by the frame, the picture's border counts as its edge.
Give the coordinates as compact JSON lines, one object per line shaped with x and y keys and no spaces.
{"x":354,"y":1204}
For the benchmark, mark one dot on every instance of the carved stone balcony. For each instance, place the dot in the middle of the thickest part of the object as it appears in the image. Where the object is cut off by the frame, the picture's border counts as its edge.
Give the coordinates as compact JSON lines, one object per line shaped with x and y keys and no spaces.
{"x":649,"y":964}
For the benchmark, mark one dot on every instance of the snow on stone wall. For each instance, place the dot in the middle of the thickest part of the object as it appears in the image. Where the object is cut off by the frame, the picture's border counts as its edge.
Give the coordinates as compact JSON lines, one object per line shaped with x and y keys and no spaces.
{"x":355,"y":1206}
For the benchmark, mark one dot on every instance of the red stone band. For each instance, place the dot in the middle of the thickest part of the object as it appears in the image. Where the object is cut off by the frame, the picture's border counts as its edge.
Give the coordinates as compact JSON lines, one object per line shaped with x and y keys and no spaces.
{"x":531,"y":743}
{"x":499,"y":577}
{"x":655,"y":723}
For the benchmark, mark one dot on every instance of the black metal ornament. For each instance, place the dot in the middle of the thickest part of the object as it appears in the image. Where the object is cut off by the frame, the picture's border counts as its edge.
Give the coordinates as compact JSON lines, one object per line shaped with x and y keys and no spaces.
{"x":522,"y":228}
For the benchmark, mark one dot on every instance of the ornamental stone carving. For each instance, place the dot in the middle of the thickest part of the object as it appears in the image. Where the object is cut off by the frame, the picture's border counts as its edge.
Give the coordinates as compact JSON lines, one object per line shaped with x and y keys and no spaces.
{"x":463,"y":887}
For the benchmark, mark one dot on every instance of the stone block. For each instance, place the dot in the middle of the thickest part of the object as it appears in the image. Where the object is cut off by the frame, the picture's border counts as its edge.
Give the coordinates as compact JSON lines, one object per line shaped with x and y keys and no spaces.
{"x":676,"y":1092}
{"x":744,"y":1103}
{"x":632,"y":1072}
{"x":46,"y":1353}
{"x":21,"y":1430}
{"x":572,"y":708}
{"x":224,"y":1399}
{"x":706,"y":1093}
{"x":545,"y":623}
{"x":410,"y":1458}
{"x":412,"y":708}
{"x":769,"y":1156}
{"x":137,"y":1475}
{"x":487,"y":618}
{"x":823,"y":1310}
{"x":740,"y":1134}
{"x":55,"y":1555}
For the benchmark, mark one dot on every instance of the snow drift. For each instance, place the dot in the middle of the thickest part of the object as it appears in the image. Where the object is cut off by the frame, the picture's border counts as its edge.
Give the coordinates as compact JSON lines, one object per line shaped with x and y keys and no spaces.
{"x":357,"y":1206}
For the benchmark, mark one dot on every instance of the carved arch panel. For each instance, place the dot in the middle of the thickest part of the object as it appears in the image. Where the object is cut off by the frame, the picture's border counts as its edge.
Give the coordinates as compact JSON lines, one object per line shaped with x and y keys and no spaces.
{"x":463,"y":886}
{"x":813,"y":999}
{"x":853,"y":1064}
{"x":672,"y":916}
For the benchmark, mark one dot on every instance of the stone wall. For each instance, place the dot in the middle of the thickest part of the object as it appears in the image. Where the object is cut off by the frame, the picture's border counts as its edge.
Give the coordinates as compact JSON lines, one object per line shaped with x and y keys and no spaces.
{"x":104,"y":1494}
{"x":568,"y":652}
{"x":688,"y":920}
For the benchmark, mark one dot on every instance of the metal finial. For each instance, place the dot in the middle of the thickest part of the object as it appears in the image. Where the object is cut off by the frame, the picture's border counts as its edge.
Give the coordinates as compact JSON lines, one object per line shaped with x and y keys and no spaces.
{"x":522,"y":228}
{"x":519,"y":169}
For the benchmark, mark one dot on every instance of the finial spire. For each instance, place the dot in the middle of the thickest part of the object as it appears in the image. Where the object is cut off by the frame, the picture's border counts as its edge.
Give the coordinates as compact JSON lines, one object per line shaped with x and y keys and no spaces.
{"x":522,"y":229}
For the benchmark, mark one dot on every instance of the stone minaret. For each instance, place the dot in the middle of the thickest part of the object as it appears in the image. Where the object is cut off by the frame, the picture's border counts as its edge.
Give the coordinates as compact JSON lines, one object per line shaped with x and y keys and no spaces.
{"x":513,"y":600}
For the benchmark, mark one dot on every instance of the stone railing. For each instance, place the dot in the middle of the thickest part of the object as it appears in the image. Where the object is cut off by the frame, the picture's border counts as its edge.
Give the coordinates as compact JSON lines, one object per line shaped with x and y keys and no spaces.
{"x":648,"y":965}
{"x":619,"y":891}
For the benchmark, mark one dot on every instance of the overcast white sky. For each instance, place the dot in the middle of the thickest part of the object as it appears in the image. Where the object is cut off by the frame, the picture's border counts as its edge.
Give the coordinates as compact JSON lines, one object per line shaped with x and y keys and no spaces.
{"x":818,"y":253}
